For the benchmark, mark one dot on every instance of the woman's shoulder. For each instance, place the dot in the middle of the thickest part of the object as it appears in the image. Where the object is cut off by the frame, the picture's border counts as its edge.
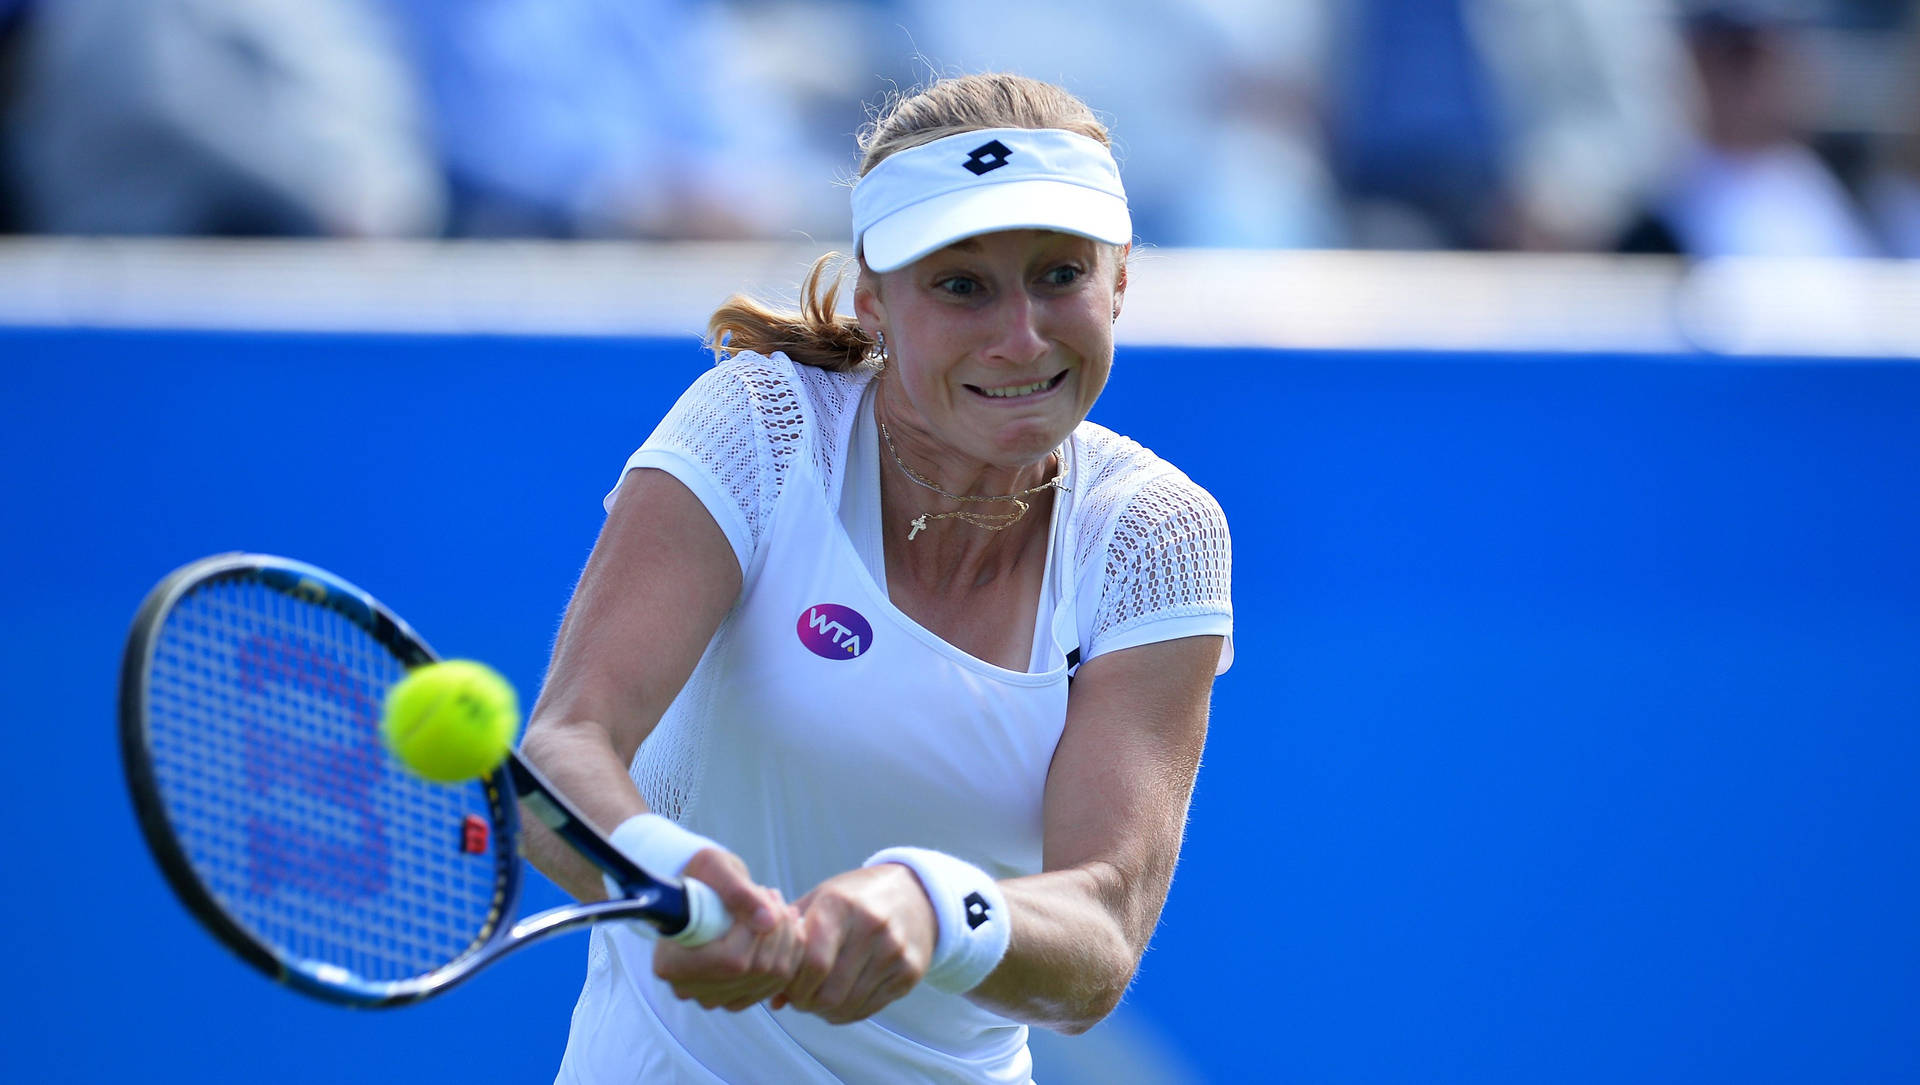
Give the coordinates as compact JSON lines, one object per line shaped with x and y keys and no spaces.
{"x":1131,"y":494}
{"x":779,"y":387}
{"x":1116,"y":466}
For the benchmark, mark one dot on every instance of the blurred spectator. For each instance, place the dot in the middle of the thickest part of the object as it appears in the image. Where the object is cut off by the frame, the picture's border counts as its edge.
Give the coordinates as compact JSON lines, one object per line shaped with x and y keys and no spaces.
{"x":12,"y":14}
{"x":1479,"y":124}
{"x":1270,"y":183}
{"x":1892,"y":187}
{"x":1377,"y":123}
{"x":1753,"y":185}
{"x":1220,"y":97}
{"x":582,"y":118}
{"x":1501,"y":123}
{"x":13,"y":18}
{"x":1594,"y":93}
{"x":215,"y":117}
{"x":1417,"y":127}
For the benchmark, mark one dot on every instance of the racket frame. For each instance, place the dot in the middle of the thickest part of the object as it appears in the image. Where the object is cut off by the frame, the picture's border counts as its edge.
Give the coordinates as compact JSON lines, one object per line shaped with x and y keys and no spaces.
{"x":662,"y":904}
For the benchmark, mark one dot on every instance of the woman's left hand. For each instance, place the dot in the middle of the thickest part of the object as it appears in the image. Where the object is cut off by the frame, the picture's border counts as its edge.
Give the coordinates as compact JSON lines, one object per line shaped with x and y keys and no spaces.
{"x":869,"y":937}
{"x":754,"y":960}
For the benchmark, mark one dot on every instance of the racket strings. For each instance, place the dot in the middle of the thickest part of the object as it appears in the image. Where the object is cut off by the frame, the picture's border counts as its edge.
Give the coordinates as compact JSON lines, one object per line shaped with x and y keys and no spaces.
{"x":263,"y":732}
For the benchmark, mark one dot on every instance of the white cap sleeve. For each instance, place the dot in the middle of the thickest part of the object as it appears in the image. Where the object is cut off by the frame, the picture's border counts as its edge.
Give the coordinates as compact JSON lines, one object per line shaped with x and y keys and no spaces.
{"x":1168,"y":570}
{"x":715,"y":442}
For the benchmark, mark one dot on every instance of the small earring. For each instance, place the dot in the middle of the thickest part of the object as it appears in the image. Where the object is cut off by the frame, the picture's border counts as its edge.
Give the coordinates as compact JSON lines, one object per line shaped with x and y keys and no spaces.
{"x":877,"y":353}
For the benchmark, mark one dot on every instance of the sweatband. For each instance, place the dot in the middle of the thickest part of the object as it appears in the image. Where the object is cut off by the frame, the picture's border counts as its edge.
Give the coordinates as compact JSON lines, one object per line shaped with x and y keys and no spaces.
{"x":656,"y":845}
{"x":970,"y":909}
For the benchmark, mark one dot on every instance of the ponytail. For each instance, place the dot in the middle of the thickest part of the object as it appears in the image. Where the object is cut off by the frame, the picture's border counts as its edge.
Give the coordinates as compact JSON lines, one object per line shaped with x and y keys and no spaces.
{"x":815,"y":335}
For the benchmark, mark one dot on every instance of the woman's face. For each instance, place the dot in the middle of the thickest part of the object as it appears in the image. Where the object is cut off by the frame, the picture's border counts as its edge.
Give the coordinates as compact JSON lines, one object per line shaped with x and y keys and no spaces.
{"x":998,"y":344}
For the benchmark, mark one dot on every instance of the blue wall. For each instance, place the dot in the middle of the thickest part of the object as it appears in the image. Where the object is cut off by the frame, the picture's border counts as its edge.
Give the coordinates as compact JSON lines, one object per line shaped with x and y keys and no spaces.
{"x":1572,"y":735}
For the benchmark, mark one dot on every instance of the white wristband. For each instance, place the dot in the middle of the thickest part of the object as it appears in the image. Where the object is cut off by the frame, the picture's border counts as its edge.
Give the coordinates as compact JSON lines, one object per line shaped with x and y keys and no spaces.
{"x":972,"y":914}
{"x":656,"y":845}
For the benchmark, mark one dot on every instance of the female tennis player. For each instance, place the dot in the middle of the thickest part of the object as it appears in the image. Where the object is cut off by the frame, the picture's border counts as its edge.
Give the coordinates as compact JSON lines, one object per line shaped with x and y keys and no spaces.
{"x":889,"y":645}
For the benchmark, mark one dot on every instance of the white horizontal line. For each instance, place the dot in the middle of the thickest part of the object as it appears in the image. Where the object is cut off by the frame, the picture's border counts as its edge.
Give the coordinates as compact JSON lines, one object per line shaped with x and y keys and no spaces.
{"x":1199,"y":297}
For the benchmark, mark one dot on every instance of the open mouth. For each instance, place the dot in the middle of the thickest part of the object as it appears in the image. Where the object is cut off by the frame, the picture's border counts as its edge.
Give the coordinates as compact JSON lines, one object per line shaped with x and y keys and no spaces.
{"x":1015,"y":391}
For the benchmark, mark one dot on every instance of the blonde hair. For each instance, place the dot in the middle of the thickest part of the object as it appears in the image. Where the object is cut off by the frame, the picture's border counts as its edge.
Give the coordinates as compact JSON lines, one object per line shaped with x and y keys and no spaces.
{"x":815,"y":334}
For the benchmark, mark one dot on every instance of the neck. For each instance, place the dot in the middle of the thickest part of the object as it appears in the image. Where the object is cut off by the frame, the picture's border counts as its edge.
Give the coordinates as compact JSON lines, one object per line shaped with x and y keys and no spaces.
{"x":950,"y":554}
{"x":986,"y":511}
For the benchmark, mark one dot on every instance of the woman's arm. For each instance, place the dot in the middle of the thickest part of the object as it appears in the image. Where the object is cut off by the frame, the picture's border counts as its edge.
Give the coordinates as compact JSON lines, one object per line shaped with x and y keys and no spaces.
{"x":661,"y":579}
{"x":1116,"y":810}
{"x":1116,"y":807}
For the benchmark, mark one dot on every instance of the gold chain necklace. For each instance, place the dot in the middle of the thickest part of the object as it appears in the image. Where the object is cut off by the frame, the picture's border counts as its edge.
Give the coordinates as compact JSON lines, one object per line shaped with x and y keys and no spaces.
{"x":992,"y":521}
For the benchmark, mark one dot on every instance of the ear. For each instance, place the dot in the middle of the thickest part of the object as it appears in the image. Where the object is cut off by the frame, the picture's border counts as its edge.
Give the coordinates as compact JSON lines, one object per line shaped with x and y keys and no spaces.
{"x":867,"y":305}
{"x":1120,"y":278}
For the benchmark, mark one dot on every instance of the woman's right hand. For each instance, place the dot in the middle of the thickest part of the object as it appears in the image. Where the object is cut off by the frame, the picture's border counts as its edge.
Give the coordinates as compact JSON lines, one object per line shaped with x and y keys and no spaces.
{"x":754,"y":960}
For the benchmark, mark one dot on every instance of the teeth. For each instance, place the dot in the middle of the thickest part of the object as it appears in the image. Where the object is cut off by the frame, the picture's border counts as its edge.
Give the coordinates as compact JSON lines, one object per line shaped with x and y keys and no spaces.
{"x":1017,"y":390}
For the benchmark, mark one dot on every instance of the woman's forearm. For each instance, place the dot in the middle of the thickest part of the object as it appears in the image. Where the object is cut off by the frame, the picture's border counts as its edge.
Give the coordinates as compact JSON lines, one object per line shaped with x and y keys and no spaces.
{"x":1071,"y":956}
{"x":556,"y":859}
{"x":579,"y":760}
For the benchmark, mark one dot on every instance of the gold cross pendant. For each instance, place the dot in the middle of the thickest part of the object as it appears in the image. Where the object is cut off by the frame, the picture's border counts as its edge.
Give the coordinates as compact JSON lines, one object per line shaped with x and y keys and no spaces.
{"x":919,"y":525}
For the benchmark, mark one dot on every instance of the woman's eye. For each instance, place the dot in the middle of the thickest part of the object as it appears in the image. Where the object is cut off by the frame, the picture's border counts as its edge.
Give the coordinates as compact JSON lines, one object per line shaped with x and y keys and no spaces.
{"x":960,"y":286}
{"x":1063,"y":276}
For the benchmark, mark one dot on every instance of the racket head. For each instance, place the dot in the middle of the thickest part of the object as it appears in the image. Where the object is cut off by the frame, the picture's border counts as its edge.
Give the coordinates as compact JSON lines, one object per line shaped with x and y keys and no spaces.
{"x":250,"y":701}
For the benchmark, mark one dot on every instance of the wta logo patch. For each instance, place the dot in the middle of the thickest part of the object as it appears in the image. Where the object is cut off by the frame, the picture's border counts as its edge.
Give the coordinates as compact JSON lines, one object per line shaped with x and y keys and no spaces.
{"x":832,"y":631}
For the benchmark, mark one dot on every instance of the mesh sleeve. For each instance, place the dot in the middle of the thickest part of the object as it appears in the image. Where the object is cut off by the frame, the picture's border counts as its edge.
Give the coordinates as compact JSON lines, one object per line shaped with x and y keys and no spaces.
{"x":729,"y":439}
{"x":1168,"y":573}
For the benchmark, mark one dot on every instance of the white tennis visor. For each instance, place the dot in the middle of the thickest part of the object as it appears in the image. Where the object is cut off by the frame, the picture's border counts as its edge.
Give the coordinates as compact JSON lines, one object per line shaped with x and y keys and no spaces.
{"x":927,"y":197}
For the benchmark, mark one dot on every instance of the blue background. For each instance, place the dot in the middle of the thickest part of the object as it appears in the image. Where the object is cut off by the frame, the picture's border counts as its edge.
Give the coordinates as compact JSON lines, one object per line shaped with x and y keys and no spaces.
{"x":1571,"y":737}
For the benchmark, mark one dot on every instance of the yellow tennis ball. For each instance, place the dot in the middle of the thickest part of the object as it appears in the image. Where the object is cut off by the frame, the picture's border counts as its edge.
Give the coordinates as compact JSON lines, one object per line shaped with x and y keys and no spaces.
{"x":451,"y":721}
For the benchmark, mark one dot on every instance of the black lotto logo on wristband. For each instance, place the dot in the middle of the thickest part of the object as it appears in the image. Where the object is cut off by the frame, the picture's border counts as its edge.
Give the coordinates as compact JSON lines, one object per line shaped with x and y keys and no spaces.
{"x":977,"y":910}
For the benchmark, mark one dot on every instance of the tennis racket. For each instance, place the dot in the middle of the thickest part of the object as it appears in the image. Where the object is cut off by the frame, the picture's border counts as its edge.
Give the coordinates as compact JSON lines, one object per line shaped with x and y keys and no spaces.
{"x":250,"y":699}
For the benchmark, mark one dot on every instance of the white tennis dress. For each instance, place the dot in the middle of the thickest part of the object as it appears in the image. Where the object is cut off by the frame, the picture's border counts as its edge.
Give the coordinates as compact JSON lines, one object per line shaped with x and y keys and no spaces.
{"x":823,"y":724}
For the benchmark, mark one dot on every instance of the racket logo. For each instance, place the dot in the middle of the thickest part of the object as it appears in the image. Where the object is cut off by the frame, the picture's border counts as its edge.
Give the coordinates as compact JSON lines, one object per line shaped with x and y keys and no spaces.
{"x":832,"y":631}
{"x":474,"y":834}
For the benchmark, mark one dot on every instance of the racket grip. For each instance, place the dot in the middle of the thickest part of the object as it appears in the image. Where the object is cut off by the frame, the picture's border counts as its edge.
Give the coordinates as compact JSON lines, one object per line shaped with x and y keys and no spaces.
{"x":707,"y":917}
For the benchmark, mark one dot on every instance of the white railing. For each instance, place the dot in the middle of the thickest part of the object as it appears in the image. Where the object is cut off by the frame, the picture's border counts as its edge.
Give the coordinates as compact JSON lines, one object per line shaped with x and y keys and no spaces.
{"x":1202,"y":297}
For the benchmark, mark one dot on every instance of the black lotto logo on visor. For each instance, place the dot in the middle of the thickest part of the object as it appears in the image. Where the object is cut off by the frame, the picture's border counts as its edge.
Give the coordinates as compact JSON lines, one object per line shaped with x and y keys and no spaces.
{"x":987,"y":157}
